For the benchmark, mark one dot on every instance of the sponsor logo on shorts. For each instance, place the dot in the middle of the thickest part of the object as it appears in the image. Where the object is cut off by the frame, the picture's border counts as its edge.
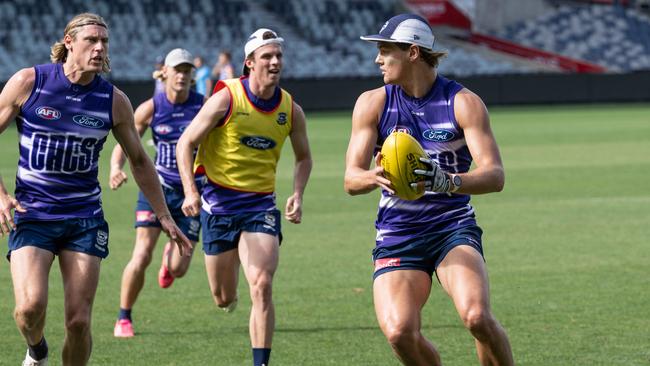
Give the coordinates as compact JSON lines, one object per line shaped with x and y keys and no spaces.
{"x":163,"y":129}
{"x":195,"y":225}
{"x":386,"y":262}
{"x":258,"y":142}
{"x":88,"y":121}
{"x":145,"y":216}
{"x":438,"y":135}
{"x":102,"y":240}
{"x":269,"y":221}
{"x":472,"y":240}
{"x":48,"y":113}
{"x":282,"y":118}
{"x":399,"y":128}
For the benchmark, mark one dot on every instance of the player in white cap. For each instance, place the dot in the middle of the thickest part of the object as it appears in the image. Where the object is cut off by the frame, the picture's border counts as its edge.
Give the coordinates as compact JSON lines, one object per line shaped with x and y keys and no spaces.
{"x":167,"y":114}
{"x":239,"y":134}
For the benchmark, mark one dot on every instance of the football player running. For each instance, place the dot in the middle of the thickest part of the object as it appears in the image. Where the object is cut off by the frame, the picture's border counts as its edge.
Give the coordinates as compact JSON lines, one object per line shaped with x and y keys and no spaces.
{"x":436,"y":233}
{"x":64,"y":111}
{"x":239,"y":134}
{"x":167,"y":114}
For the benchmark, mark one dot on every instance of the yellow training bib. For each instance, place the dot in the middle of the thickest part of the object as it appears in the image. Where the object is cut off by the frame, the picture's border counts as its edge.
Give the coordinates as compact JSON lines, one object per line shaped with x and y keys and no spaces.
{"x":243,"y":153}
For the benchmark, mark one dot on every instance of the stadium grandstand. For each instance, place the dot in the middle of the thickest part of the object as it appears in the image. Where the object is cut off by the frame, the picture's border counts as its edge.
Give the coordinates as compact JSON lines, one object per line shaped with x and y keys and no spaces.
{"x":545,"y":37}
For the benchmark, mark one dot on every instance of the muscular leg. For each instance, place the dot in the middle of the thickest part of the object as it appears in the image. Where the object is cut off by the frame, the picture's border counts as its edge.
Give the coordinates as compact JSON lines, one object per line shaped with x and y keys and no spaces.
{"x":80,"y":273}
{"x":463,"y":275}
{"x":30,"y":269}
{"x":177,"y":264}
{"x":399,"y":297}
{"x":133,"y":275}
{"x":223,"y":275}
{"x":259,"y":255}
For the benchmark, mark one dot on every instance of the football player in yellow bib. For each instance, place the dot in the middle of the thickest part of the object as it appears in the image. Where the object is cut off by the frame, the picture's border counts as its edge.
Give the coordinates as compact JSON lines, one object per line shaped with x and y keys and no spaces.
{"x":239,"y":133}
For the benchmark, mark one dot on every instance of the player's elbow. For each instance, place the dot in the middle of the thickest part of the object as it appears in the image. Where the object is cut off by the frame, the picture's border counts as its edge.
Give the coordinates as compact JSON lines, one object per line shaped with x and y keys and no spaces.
{"x":499,"y":180}
{"x":351,"y":187}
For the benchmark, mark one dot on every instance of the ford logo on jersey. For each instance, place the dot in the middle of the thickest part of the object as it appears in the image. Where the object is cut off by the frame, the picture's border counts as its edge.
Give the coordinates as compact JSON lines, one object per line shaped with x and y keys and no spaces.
{"x":258,"y":142}
{"x":438,"y":135}
{"x":88,"y":121}
{"x":163,"y":129}
{"x":48,"y":113}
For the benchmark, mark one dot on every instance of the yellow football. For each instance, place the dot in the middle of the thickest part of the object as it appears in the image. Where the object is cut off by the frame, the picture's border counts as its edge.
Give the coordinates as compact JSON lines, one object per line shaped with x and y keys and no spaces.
{"x":400,"y":156}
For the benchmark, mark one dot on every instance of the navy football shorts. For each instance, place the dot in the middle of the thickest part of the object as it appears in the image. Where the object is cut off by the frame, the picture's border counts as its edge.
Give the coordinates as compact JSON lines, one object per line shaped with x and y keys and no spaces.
{"x":221,"y":232}
{"x":424,"y":252}
{"x":89,"y":235}
{"x":145,"y":217}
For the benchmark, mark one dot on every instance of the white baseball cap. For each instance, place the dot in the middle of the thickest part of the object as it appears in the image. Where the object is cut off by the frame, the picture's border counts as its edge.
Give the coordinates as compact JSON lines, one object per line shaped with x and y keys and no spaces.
{"x":179,"y":56}
{"x":405,"y":28}
{"x":259,"y":38}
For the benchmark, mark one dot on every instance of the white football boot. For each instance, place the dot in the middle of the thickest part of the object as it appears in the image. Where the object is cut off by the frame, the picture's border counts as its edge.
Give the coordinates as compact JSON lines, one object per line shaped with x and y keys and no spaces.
{"x":29,"y":361}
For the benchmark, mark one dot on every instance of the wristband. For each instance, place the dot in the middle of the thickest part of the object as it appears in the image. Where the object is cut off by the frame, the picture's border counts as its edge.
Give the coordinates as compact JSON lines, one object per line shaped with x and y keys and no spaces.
{"x":456,"y":182}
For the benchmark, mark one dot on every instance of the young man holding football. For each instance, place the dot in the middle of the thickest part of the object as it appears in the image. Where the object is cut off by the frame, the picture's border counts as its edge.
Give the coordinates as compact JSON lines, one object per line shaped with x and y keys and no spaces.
{"x":437,"y":232}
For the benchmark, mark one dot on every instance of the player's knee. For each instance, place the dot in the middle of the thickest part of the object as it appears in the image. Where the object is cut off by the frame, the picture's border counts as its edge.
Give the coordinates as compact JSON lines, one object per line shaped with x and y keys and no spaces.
{"x":28,"y":315}
{"x":77,"y":324}
{"x":140,"y":260}
{"x":261,"y":290}
{"x":478,"y":321}
{"x":400,"y":336}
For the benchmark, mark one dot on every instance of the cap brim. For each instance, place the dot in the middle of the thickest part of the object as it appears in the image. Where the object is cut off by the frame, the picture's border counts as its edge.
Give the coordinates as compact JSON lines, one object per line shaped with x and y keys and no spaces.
{"x":377,"y":38}
{"x":380,"y":38}
{"x":183,"y":63}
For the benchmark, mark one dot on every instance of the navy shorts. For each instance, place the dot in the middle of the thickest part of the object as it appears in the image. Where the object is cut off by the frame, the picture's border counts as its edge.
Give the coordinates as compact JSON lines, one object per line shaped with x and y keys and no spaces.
{"x":221,"y":232}
{"x":424,"y":252}
{"x":89,"y":235}
{"x":145,"y":217}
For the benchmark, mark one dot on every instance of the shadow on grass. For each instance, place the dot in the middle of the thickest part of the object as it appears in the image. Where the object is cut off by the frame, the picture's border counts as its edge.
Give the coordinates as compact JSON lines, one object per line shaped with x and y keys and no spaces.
{"x":348,"y":329}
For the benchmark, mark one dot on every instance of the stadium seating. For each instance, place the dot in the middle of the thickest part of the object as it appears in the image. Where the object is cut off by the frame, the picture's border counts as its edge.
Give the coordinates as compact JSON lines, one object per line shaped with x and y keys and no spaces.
{"x":322,"y":37}
{"x":615,"y":37}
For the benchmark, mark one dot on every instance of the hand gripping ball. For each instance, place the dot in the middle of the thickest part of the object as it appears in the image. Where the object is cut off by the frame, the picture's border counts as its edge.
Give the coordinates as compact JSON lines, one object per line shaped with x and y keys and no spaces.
{"x":400,"y":156}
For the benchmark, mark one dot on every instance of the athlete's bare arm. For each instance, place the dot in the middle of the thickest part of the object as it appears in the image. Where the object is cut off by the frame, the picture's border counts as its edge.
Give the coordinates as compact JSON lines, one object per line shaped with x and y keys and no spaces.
{"x":13,"y":96}
{"x":359,"y":178}
{"x":208,"y":117}
{"x":143,"y":169}
{"x":143,"y":116}
{"x":472,"y":117}
{"x":302,"y":167}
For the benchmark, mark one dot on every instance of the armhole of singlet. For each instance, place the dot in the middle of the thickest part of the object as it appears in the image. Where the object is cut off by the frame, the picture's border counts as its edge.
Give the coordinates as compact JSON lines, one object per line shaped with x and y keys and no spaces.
{"x":451,"y":110}
{"x":38,"y":83}
{"x":155,"y":106}
{"x":220,"y":85}
{"x":110,"y":102}
{"x":291,"y":112}
{"x":383,"y":113}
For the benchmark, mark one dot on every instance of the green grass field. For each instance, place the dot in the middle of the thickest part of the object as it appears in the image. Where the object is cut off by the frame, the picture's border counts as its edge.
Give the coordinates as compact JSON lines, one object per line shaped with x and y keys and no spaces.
{"x":566,"y":244}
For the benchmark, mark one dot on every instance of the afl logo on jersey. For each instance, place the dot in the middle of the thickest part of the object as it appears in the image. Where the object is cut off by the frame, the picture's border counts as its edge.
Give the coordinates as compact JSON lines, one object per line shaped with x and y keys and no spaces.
{"x":48,"y":113}
{"x":399,"y":129}
{"x":438,"y":135}
{"x":258,"y":142}
{"x":282,"y":118}
{"x":163,"y":129}
{"x":88,"y":121}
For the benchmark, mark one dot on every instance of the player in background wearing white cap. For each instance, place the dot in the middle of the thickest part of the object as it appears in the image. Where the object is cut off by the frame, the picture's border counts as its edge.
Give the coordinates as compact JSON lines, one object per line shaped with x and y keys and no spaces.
{"x":437,"y":232}
{"x":239,"y":134}
{"x":167,"y":114}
